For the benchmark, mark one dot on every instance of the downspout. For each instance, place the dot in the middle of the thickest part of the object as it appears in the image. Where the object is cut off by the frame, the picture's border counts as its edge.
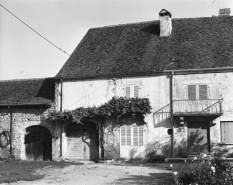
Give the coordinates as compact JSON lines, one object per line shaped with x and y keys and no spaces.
{"x":11,"y":128}
{"x":171,"y":113}
{"x":61,"y":120}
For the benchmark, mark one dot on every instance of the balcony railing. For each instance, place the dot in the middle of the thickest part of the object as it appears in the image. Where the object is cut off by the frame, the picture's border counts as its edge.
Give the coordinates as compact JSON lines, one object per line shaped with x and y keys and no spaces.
{"x":189,"y":107}
{"x":197,"y":107}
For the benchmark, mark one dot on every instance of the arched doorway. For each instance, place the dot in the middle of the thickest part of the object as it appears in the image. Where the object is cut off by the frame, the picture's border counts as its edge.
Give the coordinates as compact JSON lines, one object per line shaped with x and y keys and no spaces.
{"x":38,"y":143}
{"x":82,"y":141}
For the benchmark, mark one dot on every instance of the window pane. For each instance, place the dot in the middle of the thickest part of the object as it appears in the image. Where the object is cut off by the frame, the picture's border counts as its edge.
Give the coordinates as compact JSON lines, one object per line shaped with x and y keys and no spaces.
{"x":136,"y":91}
{"x":140,"y":136}
{"x":127,"y":92}
{"x":203,"y":92}
{"x":191,"y":92}
{"x":135,"y":136}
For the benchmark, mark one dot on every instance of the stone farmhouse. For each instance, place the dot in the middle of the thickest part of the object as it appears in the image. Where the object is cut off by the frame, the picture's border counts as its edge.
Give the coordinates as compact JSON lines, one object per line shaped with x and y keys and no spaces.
{"x":183,"y":66}
{"x":23,"y":104}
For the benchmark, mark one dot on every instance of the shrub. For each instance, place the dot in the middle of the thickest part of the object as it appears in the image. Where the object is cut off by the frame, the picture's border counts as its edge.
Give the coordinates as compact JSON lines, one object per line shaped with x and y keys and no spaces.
{"x":203,"y":172}
{"x":155,"y":158}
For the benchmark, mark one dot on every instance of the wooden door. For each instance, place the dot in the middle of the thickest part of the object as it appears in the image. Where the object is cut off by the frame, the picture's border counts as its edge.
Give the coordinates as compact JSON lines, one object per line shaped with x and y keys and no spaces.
{"x":38,"y":143}
{"x":82,"y":141}
{"x":198,"y":137}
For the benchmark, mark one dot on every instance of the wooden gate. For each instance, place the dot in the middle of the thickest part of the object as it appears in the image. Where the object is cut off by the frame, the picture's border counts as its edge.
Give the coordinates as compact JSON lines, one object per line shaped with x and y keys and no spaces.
{"x":198,"y":137}
{"x":82,"y":141}
{"x":38,"y":143}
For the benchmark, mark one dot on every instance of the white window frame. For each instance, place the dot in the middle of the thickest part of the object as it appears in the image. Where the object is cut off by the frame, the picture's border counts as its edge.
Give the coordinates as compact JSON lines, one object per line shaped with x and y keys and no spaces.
{"x":132,"y":91}
{"x":139,"y":142}
{"x":197,"y":91}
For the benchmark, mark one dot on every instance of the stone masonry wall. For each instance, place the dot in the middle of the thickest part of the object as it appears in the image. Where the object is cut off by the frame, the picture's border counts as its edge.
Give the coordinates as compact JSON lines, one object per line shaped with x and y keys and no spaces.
{"x":23,"y":117}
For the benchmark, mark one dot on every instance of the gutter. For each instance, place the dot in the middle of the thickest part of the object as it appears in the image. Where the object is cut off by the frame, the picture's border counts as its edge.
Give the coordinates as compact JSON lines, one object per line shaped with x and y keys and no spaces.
{"x":26,"y":104}
{"x":198,"y":71}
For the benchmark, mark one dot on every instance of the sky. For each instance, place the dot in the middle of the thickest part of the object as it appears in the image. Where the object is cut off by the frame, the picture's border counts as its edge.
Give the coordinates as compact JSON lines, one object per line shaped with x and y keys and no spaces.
{"x":24,"y":54}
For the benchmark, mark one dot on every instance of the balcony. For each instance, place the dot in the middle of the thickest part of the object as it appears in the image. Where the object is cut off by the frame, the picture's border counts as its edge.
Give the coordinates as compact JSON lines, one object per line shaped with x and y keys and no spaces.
{"x":197,"y":107}
{"x":189,"y":108}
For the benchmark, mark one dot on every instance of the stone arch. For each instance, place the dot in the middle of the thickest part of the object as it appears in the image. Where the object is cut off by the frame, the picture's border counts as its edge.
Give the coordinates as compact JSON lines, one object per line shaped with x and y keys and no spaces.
{"x":82,"y":141}
{"x":38,"y":143}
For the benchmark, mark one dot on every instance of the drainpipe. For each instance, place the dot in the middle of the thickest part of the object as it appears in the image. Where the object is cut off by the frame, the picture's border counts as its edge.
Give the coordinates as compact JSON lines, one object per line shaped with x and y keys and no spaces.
{"x":11,"y":128}
{"x":62,"y":120}
{"x":171,"y":112}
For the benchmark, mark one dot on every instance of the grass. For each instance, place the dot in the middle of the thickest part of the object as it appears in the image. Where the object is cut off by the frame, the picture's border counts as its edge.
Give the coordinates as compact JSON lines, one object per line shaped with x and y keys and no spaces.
{"x":14,"y":170}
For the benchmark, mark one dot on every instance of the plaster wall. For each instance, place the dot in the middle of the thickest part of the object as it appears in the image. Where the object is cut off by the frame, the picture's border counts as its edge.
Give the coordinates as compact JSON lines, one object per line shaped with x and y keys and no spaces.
{"x":220,"y":86}
{"x":96,"y":92}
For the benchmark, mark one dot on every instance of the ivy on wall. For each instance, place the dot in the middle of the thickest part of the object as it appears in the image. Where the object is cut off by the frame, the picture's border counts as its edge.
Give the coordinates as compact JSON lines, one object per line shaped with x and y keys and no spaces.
{"x":117,"y":106}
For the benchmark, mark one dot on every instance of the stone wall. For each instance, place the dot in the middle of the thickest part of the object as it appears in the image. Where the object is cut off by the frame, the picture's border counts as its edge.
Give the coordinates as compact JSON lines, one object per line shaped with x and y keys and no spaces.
{"x":23,"y":117}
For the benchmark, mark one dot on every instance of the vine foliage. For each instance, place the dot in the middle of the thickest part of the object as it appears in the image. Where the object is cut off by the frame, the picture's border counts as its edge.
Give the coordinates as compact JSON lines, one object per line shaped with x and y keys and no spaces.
{"x":117,"y":106}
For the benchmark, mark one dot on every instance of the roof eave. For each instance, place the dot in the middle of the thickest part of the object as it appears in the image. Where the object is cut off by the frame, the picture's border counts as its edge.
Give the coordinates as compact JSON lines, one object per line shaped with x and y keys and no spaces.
{"x":27,"y":104}
{"x":156,"y":73}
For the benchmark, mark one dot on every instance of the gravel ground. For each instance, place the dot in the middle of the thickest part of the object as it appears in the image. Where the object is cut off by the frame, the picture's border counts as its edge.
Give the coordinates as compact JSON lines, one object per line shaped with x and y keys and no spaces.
{"x":104,"y":174}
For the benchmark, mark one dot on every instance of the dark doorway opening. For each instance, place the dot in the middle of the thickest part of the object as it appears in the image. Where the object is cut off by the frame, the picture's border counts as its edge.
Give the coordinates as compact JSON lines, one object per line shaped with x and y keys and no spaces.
{"x":38,"y":143}
{"x":198,"y":137}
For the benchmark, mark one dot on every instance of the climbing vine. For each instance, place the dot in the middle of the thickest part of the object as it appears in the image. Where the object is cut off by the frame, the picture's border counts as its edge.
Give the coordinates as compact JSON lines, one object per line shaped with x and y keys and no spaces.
{"x":117,"y":106}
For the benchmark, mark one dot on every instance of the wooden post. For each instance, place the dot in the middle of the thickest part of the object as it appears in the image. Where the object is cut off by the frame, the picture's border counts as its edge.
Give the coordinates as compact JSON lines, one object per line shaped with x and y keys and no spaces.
{"x":11,"y":129}
{"x":62,"y":120}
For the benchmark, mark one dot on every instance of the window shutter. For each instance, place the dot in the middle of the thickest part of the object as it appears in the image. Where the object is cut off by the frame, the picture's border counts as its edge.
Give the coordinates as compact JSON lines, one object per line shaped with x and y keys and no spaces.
{"x":127,"y":92}
{"x":128,"y":136}
{"x":227,"y":132}
{"x":135,"y":136}
{"x":191,"y":92}
{"x":203,"y":92}
{"x":123,"y":136}
{"x":136,"y":91}
{"x":140,"y":136}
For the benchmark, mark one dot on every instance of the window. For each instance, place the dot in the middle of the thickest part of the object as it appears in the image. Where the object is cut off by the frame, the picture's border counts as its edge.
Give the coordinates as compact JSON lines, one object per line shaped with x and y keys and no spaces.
{"x":132,"y":91}
{"x":227,"y":132}
{"x":131,"y":136}
{"x":197,"y":92}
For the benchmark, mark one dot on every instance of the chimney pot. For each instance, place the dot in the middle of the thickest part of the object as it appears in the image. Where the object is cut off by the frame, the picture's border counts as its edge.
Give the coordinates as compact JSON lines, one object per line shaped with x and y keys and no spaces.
{"x":165,"y":25}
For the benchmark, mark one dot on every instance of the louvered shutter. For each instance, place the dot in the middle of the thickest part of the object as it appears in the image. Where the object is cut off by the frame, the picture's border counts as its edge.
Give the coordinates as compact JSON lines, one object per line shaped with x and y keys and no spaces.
{"x":135,"y":136}
{"x":128,"y":136}
{"x":227,"y":132}
{"x":203,"y":92}
{"x":136,"y":91}
{"x":140,"y":136}
{"x":191,"y":92}
{"x":123,"y":136}
{"x":127,"y":92}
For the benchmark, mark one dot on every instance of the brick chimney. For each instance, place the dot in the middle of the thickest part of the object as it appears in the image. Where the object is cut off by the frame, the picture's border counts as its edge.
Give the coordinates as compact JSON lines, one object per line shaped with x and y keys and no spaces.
{"x":165,"y":19}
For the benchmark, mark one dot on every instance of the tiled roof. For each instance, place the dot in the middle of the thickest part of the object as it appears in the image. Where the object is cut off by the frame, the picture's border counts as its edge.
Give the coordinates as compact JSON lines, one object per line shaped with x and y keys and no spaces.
{"x":137,"y":49}
{"x":27,"y":92}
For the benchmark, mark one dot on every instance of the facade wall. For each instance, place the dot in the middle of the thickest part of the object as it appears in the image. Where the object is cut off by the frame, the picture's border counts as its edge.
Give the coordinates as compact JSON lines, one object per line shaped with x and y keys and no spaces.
{"x":96,"y":92}
{"x":220,"y":86}
{"x":156,"y":139}
{"x":23,"y":118}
